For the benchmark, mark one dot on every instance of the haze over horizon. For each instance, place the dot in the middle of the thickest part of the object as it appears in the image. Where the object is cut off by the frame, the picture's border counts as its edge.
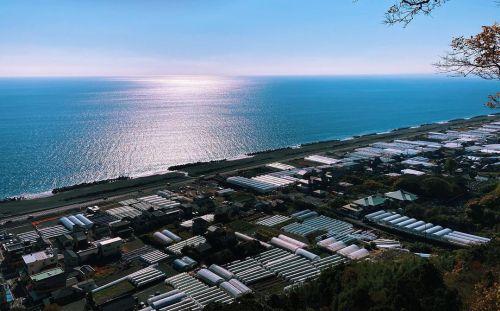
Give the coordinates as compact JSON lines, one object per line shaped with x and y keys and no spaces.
{"x":117,"y":38}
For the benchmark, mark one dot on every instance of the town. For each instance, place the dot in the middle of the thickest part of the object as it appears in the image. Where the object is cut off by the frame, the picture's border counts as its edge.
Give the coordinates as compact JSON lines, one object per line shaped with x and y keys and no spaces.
{"x":261,"y":230}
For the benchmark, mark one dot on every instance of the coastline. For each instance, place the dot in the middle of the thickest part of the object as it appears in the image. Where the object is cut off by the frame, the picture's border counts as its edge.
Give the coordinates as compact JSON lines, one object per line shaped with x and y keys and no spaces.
{"x":172,"y":168}
{"x":101,"y":190}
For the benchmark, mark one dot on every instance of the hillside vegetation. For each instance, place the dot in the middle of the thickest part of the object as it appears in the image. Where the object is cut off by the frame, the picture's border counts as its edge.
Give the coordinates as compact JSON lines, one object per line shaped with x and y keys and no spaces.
{"x":457,"y":280}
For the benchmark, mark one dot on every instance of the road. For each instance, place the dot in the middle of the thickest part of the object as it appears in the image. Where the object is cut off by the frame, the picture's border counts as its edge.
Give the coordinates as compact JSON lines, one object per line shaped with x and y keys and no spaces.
{"x":78,"y":206}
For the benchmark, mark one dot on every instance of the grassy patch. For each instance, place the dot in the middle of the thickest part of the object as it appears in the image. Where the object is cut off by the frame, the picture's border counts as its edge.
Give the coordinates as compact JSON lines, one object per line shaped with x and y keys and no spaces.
{"x":167,"y":268}
{"x":113,"y":291}
{"x":132,"y":245}
{"x":241,"y":226}
{"x":241,"y":197}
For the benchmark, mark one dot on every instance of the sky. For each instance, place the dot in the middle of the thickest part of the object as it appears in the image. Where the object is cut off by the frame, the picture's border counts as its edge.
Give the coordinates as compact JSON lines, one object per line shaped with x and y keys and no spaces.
{"x":226,"y":37}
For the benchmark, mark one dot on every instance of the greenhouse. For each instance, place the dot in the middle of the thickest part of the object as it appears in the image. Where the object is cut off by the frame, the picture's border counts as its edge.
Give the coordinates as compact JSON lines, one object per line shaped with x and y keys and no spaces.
{"x":423,"y":229}
{"x":194,"y":241}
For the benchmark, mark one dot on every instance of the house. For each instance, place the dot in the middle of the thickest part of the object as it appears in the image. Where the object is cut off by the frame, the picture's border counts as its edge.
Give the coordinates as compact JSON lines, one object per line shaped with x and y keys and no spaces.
{"x":109,"y":247}
{"x":47,"y":281}
{"x":319,"y":193}
{"x":79,"y":239}
{"x":225,"y":192}
{"x":71,"y":259}
{"x":371,"y":201}
{"x":36,"y":262}
{"x":351,"y":210}
{"x":87,"y":254}
{"x":65,"y":241}
{"x":401,"y":195}
{"x":13,"y":250}
{"x":85,"y":272}
{"x":121,"y":228}
{"x":359,"y":208}
{"x":412,"y":172}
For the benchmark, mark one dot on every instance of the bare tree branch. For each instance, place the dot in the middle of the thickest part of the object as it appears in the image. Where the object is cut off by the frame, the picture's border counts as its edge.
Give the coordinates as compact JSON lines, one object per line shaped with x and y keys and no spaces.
{"x":405,"y":10}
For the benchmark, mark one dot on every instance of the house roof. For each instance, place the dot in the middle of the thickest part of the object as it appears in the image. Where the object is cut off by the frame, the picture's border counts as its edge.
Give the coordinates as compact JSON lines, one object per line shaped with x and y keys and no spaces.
{"x":110,"y":241}
{"x":46,"y":274}
{"x":370,"y":201}
{"x":401,"y":195}
{"x":352,"y":207}
{"x":38,"y":256}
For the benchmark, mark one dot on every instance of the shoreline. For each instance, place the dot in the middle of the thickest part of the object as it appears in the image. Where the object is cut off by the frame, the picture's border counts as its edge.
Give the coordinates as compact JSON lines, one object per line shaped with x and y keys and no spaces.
{"x":101,"y":189}
{"x":174,"y":168}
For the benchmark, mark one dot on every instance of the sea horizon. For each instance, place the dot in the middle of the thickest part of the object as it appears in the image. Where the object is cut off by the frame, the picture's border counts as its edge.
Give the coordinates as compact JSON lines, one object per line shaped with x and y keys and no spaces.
{"x":100,"y":128}
{"x":436,"y":75}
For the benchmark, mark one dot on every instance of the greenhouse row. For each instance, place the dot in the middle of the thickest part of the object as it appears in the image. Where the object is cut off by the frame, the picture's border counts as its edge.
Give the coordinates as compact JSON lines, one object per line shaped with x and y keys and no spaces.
{"x":124,"y":211}
{"x":138,"y":279}
{"x":172,"y":300}
{"x":194,"y":241}
{"x":350,"y":251}
{"x":322,"y":159}
{"x":296,"y":268}
{"x":52,"y":232}
{"x":263,"y":183}
{"x":330,"y":261}
{"x":167,"y":194}
{"x":248,"y":183}
{"x":290,"y":267}
{"x":197,"y":290}
{"x":225,"y":279}
{"x":153,"y":257}
{"x":31,"y":236}
{"x":249,"y":270}
{"x":132,"y":255}
{"x":143,"y":206}
{"x":280,"y":166}
{"x":185,"y":263}
{"x":324,"y":223}
{"x":421,"y":228}
{"x":278,"y":182}
{"x":248,"y":238}
{"x":78,"y":220}
{"x":128,"y":202}
{"x":166,"y":237}
{"x":160,"y":201}
{"x":304,"y":214}
{"x":146,"y":276}
{"x":290,"y":174}
{"x":272,"y":220}
{"x":287,"y":243}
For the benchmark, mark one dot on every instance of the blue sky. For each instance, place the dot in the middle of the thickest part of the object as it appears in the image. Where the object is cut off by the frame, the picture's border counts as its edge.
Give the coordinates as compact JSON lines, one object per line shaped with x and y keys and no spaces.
{"x":225,"y":37}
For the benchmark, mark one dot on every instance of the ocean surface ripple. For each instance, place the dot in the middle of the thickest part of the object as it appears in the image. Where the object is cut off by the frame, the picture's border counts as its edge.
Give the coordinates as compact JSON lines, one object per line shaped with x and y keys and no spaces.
{"x":56,"y":132}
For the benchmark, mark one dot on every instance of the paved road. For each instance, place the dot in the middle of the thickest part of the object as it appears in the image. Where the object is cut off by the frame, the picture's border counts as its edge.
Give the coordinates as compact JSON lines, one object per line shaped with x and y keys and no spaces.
{"x":79,"y":206}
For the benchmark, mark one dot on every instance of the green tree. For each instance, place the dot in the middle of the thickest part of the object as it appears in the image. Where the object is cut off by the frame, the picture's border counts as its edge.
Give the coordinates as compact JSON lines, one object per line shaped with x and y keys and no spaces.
{"x":450,"y":165}
{"x":435,"y":187}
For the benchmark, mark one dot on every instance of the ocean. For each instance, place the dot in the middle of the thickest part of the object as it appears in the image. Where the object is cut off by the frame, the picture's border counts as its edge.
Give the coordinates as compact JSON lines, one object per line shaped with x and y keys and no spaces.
{"x":61,"y":131}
